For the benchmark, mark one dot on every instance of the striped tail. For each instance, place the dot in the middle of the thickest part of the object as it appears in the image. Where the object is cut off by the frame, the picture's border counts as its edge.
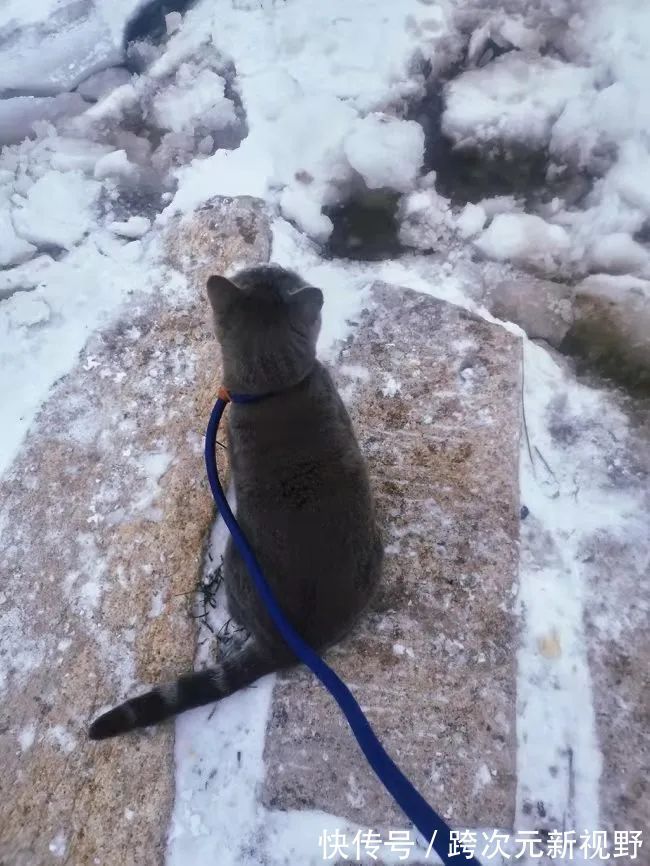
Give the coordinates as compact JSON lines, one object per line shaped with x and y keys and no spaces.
{"x":191,"y":690}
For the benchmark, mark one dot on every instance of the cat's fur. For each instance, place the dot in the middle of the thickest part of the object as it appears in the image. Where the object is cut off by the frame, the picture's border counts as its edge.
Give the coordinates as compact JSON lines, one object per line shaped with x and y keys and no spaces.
{"x":303,"y":495}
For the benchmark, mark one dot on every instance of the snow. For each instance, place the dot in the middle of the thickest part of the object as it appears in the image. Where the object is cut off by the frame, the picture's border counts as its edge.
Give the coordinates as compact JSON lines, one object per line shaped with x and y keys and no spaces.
{"x":58,"y":209}
{"x":194,"y":98}
{"x":49,"y":46}
{"x":312,"y":112}
{"x":44,"y":60}
{"x":386,"y":152}
{"x":80,"y":291}
{"x":391,"y":387}
{"x":23,"y":277}
{"x":58,"y":845}
{"x":61,"y":738}
{"x":324,"y":90}
{"x":133,"y":228}
{"x":19,"y":114}
{"x":619,"y":253}
{"x":153,"y":466}
{"x":571,"y":499}
{"x":27,"y":310}
{"x":101,"y":83}
{"x":426,"y":219}
{"x":524,"y":238}
{"x":13,"y":249}
{"x":515,"y":99}
{"x":471,"y":220}
{"x":26,"y":736}
{"x":24,"y":658}
{"x":115,"y":164}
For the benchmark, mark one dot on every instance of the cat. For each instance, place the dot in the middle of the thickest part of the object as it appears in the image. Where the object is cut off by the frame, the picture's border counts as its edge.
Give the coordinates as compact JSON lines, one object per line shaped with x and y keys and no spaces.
{"x":302,"y":490}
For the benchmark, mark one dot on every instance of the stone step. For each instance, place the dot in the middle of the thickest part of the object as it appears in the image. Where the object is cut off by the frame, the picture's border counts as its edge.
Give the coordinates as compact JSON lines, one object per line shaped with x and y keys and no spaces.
{"x":104,"y":516}
{"x":434,"y":394}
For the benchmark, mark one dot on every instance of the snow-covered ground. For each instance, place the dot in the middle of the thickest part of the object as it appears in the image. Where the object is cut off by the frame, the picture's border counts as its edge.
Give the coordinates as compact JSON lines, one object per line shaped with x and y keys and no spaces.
{"x":307,"y":105}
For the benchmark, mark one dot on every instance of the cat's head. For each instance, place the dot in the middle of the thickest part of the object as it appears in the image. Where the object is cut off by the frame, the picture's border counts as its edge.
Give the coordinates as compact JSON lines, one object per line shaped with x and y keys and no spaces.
{"x":267,"y":320}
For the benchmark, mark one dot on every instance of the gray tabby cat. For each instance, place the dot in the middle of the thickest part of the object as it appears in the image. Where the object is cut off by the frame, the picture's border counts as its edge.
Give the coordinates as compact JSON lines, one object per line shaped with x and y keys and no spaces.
{"x":303,"y":495}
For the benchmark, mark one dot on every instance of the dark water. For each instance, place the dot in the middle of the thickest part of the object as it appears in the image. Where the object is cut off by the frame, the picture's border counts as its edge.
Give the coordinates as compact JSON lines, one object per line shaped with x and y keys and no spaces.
{"x":365,"y":227}
{"x":149,"y":22}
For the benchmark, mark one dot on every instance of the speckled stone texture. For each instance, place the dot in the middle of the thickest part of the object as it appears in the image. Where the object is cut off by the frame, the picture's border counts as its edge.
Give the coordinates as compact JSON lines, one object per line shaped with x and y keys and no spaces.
{"x":434,"y":395}
{"x":104,"y":516}
{"x":617,"y":618}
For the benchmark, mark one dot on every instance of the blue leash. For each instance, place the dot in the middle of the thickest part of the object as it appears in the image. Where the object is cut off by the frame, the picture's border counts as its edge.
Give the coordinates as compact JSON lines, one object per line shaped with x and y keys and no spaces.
{"x":412,"y":803}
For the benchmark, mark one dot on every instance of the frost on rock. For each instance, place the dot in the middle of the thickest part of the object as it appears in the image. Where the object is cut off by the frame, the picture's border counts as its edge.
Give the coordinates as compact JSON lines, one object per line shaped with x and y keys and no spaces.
{"x":58,"y":209}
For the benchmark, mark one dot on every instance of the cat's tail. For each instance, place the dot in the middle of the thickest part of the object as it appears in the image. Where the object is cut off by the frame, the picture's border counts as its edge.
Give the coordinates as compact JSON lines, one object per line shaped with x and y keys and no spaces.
{"x":237,"y":670}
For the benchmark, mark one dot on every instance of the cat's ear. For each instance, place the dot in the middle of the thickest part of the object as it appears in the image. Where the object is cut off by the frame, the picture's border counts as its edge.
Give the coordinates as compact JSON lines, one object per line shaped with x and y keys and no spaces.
{"x":221,"y":293}
{"x":306,"y":304}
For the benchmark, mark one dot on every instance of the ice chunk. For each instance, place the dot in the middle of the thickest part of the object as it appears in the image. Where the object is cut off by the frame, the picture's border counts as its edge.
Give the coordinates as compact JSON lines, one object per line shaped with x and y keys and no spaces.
{"x":514,"y":99}
{"x":299,"y":207}
{"x":195,"y":99}
{"x":425,"y":218}
{"x":115,"y":164}
{"x":24,"y":309}
{"x":471,"y":220}
{"x":69,"y":154}
{"x":590,"y":122}
{"x":500,"y":204}
{"x":59,"y":209}
{"x":24,"y":277}
{"x":135,"y":227}
{"x":173,"y":21}
{"x":524,"y":238}
{"x":386,"y":151}
{"x":19,"y":114}
{"x":630,"y":176}
{"x":50,"y":50}
{"x":98,"y":85}
{"x":299,"y":153}
{"x":618,"y":253}
{"x":13,"y":249}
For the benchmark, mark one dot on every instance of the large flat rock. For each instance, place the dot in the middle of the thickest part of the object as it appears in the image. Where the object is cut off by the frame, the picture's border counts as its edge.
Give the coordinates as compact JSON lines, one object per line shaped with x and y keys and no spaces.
{"x":104,"y":516}
{"x":435,"y":398}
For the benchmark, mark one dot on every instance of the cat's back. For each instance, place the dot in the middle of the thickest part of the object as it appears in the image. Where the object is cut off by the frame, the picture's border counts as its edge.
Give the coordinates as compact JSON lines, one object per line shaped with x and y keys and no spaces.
{"x":300,"y":441}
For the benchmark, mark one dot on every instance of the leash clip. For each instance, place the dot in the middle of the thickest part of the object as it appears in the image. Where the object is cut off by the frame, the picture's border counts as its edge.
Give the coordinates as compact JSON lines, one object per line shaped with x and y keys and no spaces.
{"x":224,"y":394}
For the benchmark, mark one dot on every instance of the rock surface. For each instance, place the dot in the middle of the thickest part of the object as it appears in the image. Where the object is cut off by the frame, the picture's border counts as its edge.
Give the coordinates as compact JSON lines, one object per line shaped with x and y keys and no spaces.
{"x":541,"y":307}
{"x":617,"y":616}
{"x":104,"y":516}
{"x":434,"y":396}
{"x":611,"y":329}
